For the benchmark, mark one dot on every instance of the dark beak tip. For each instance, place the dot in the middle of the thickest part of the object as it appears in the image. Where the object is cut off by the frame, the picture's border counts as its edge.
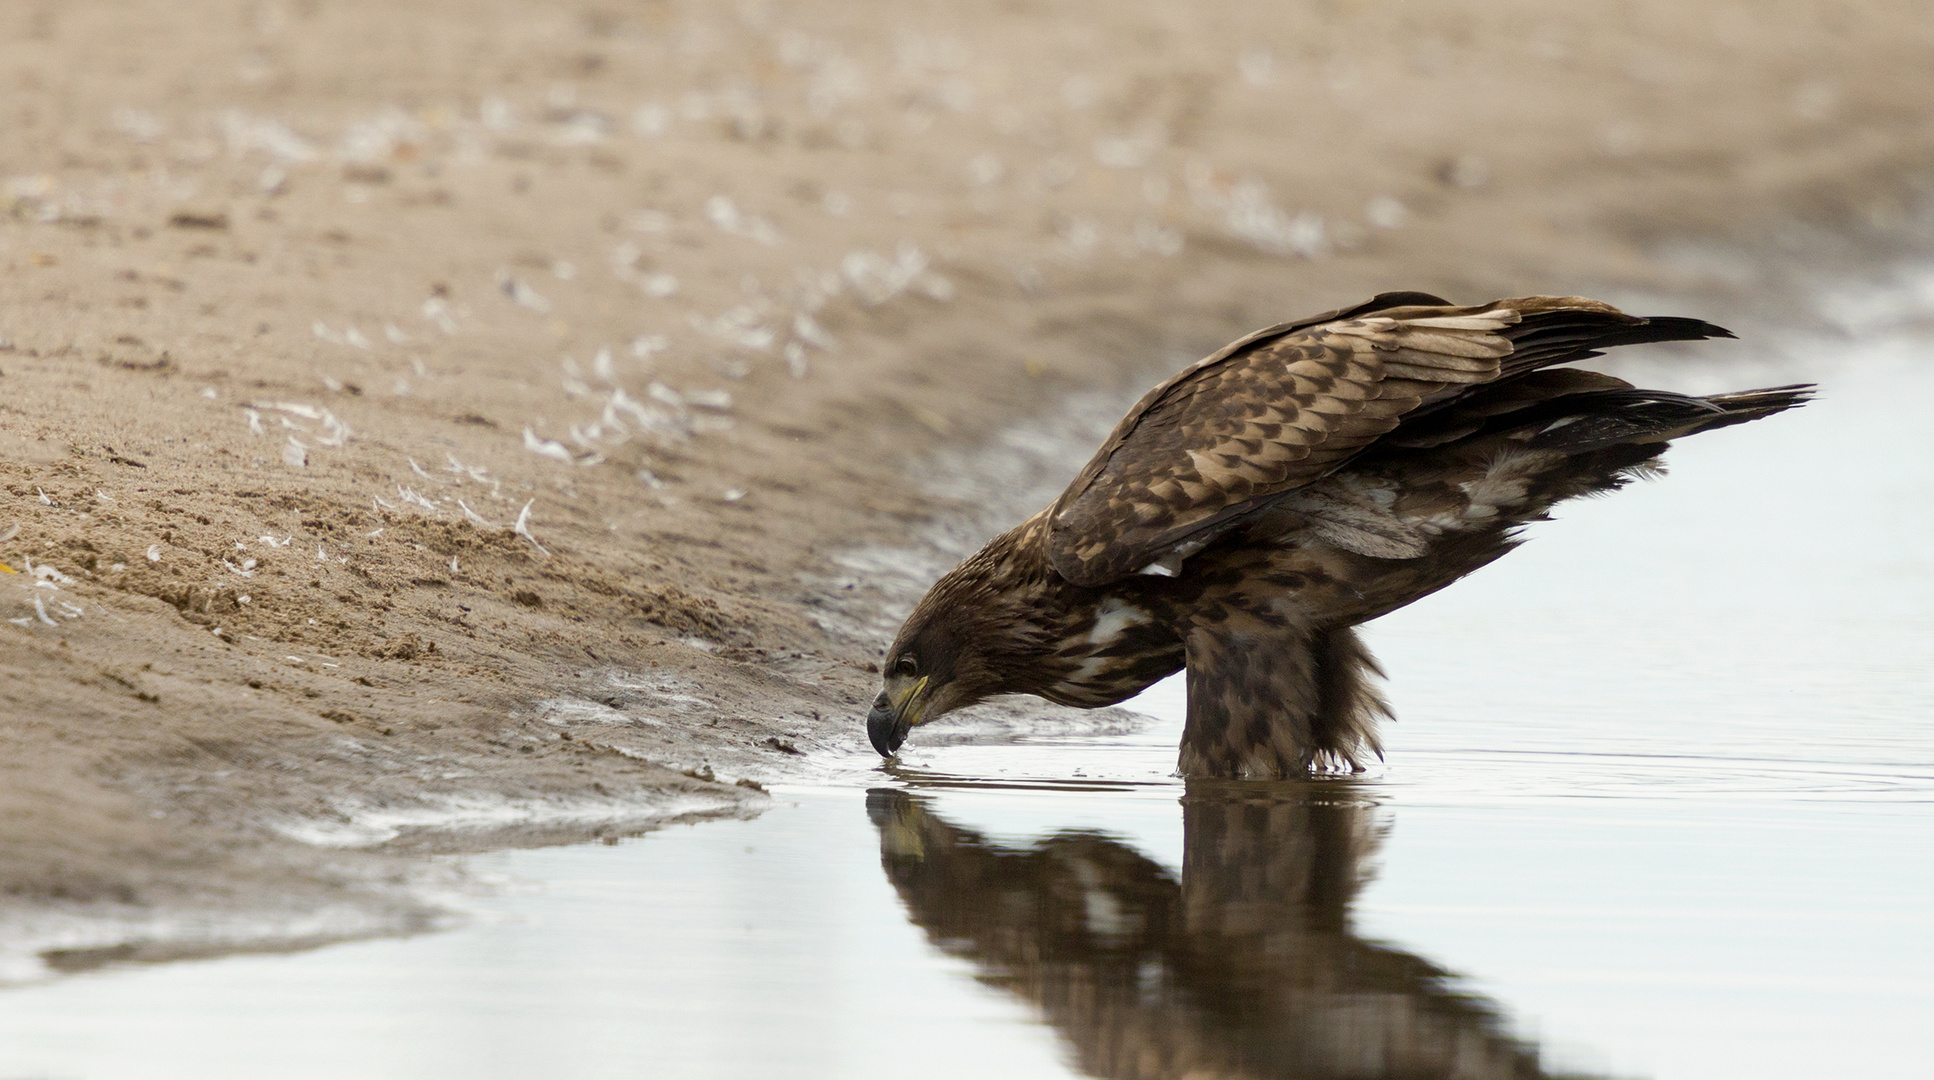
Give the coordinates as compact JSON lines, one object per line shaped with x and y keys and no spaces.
{"x":886,"y":731}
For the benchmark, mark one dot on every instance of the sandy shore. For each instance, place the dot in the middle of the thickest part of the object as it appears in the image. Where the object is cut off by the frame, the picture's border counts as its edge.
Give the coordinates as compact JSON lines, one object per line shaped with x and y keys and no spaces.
{"x":434,"y":426}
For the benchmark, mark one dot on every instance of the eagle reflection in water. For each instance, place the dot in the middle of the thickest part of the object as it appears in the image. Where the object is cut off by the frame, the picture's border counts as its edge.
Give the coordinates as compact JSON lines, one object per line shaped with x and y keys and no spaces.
{"x":1246,"y":967}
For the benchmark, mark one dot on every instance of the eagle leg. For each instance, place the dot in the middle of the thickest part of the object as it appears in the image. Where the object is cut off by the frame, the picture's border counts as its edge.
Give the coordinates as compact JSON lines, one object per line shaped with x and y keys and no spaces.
{"x":1272,"y":699}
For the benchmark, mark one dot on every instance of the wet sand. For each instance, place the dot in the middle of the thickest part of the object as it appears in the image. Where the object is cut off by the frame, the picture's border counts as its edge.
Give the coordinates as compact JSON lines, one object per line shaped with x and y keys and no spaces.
{"x":443,"y":427}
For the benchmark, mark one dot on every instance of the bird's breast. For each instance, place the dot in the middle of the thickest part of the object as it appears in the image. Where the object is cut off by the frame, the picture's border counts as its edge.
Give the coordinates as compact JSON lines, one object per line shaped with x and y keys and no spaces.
{"x":1113,"y":651}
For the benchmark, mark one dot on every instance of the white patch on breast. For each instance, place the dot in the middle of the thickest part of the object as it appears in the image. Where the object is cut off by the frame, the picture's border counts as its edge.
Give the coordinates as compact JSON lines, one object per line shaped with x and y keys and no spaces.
{"x":1112,"y":620}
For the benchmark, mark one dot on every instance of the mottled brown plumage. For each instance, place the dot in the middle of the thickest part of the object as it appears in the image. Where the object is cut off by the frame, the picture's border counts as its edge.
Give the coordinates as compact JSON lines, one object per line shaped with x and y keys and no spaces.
{"x":1249,"y":512}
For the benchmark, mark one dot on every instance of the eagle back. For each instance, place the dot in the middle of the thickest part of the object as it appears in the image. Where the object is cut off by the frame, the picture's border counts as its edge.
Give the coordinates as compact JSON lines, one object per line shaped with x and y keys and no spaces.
{"x":1264,"y":415}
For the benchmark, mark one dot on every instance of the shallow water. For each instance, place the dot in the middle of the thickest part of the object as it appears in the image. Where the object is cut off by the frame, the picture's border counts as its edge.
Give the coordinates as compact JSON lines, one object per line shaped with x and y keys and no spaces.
{"x":1661,"y":803}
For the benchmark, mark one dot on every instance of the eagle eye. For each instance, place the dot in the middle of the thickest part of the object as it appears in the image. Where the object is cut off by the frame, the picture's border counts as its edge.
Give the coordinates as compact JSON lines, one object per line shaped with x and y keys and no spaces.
{"x":906,"y":665}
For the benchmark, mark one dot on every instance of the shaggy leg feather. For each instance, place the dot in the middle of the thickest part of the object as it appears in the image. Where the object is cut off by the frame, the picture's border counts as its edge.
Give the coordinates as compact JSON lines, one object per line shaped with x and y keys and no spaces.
{"x":1271,"y":699}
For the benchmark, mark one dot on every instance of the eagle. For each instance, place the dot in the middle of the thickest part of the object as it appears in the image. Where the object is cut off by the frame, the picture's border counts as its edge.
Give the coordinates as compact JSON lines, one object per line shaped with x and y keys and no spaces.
{"x":1250,"y":512}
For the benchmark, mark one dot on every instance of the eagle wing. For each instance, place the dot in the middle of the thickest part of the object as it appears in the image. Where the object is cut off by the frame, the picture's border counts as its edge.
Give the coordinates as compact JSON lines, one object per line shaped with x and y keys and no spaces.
{"x":1270,"y":413}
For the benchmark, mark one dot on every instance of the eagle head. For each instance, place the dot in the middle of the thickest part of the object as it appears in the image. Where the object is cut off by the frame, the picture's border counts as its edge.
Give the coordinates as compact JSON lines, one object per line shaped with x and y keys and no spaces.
{"x":974,"y":635}
{"x":937,"y":664}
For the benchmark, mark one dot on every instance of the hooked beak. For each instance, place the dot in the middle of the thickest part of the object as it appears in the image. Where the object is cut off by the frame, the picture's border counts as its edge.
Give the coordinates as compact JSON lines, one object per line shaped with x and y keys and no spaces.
{"x":891,"y":718}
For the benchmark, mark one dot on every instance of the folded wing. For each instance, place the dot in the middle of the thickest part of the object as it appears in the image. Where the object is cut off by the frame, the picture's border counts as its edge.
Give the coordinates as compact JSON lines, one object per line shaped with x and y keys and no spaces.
{"x":1288,"y":405}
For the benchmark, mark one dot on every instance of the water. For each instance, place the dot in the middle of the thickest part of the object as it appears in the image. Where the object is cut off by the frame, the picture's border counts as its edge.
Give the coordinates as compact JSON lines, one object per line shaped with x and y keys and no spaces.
{"x":1660,"y":803}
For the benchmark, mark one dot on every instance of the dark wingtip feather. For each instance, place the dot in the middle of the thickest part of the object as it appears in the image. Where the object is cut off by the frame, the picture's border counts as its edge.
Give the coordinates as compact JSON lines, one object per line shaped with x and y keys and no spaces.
{"x":1678,"y":328}
{"x":1407,"y":298}
{"x":1562,"y":335}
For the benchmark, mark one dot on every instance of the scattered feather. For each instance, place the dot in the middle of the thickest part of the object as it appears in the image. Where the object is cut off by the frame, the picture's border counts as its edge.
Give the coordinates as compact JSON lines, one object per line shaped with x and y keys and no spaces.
{"x":408,"y":495}
{"x":293,"y":408}
{"x":523,"y":528}
{"x":249,"y":134}
{"x":1252,"y":217}
{"x":651,"y":418}
{"x":46,"y":573}
{"x":476,"y":473}
{"x":878,"y":278}
{"x":808,"y":330}
{"x":742,"y":326}
{"x":437,"y":310}
{"x":549,"y":448}
{"x":474,"y":515}
{"x":523,"y":294}
{"x":724,"y":215}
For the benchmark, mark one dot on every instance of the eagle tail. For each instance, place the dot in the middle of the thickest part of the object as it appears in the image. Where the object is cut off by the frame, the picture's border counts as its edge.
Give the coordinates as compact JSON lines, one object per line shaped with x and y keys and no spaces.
{"x":1272,"y":701}
{"x":1581,"y":423}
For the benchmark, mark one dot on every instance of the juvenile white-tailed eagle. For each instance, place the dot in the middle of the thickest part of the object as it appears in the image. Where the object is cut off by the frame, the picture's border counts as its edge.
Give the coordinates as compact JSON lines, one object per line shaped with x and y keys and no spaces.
{"x":1249,"y":512}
